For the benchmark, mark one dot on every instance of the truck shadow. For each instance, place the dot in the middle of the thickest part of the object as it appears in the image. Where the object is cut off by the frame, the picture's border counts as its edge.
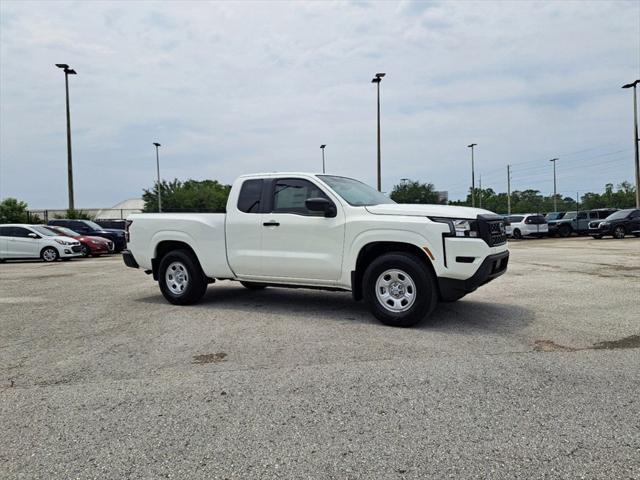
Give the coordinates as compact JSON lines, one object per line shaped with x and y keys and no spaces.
{"x":463,"y":316}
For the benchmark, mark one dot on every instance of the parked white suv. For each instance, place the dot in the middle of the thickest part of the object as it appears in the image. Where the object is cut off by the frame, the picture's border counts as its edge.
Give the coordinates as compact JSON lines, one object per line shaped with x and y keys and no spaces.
{"x":527,"y":225}
{"x":323,"y":231}
{"x":33,"y":241}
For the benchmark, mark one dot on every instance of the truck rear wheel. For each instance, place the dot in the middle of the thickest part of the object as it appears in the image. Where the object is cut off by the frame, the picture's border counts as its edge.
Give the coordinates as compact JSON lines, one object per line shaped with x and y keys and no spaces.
{"x":181,"y":279}
{"x":399,"y":289}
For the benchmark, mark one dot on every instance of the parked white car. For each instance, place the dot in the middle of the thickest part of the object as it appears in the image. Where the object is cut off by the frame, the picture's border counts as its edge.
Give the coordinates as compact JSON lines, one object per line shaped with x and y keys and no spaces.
{"x":33,"y":241}
{"x":328,"y":232}
{"x":527,"y":225}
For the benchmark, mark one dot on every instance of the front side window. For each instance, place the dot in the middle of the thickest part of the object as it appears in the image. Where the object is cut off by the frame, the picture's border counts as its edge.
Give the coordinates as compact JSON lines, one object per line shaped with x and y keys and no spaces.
{"x":250,"y":196}
{"x":582,"y":215}
{"x":19,"y":232}
{"x":290,"y":195}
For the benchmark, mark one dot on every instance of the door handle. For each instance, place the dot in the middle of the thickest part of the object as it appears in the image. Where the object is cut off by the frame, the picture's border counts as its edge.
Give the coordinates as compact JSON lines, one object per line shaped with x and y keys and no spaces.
{"x":271,"y":224}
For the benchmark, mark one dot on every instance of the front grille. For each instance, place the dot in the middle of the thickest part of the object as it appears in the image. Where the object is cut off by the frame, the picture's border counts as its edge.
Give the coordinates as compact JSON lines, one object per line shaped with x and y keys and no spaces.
{"x":76,"y":248}
{"x":491,"y":229}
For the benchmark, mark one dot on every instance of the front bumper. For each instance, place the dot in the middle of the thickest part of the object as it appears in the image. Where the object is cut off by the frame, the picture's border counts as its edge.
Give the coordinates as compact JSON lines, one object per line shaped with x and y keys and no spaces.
{"x":129,"y":260}
{"x":70,"y":251}
{"x":492,"y":267}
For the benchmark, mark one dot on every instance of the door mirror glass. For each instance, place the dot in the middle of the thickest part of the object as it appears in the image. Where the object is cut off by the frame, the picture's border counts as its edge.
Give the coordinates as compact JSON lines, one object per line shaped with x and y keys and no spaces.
{"x":321,"y":205}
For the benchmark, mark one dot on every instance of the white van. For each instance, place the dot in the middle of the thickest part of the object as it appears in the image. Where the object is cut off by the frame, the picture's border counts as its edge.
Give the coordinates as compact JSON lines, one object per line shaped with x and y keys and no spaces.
{"x":527,"y":225}
{"x":34,"y":241}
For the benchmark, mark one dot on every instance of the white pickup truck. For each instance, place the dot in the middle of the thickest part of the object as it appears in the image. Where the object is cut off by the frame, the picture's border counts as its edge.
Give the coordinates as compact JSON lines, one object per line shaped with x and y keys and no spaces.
{"x":327,"y":232}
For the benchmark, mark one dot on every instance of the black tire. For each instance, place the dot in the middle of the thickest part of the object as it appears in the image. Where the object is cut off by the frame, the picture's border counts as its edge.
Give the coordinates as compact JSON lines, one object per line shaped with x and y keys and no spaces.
{"x":565,"y":231}
{"x":192,"y":279}
{"x":425,"y":294}
{"x":619,"y":232}
{"x":86,"y":250}
{"x":49,"y":254}
{"x":516,"y":234}
{"x":253,"y":285}
{"x":597,"y":237}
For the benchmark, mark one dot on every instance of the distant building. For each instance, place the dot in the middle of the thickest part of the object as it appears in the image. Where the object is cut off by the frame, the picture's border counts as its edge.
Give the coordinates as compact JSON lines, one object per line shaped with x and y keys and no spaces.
{"x":443,"y":196}
{"x":121,"y":210}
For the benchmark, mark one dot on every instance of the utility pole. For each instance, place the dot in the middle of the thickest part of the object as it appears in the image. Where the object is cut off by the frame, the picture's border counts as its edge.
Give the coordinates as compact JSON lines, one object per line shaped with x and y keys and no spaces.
{"x":473,"y":177}
{"x":322,"y":148}
{"x":635,"y":138}
{"x":555,"y":193}
{"x":377,"y":79}
{"x":68,"y":71}
{"x":480,"y":196}
{"x":158,"y":171}
{"x":508,"y":189}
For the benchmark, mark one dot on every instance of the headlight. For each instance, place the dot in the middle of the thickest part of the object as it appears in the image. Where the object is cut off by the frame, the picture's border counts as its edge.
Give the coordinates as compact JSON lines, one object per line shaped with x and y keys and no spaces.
{"x":63,"y":242}
{"x":459,"y":227}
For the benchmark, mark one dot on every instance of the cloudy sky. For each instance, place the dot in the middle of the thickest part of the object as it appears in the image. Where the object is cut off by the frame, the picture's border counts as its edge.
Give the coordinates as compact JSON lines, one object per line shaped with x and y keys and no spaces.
{"x":240,"y":87}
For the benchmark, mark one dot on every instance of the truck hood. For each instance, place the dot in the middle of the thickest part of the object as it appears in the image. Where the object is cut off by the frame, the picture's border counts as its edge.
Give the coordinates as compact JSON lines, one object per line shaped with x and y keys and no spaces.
{"x":422,"y":210}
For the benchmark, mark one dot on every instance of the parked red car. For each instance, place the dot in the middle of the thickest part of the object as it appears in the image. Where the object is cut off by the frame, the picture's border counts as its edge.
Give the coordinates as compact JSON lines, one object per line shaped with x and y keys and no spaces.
{"x":93,"y":246}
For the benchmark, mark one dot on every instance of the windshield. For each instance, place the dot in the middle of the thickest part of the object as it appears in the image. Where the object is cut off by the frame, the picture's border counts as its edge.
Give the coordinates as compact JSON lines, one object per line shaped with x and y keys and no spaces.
{"x":44,"y":231}
{"x":354,"y":192}
{"x":554,"y":215}
{"x":569,"y":215}
{"x":93,"y":225}
{"x":619,"y":214}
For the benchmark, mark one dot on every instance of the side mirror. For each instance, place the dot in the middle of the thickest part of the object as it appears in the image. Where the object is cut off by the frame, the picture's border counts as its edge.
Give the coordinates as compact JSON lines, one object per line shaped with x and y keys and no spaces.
{"x":33,"y":235}
{"x":321,"y":205}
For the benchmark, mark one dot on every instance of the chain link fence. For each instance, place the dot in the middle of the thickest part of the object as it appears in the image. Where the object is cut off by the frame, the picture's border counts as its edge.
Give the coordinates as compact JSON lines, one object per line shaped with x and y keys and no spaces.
{"x":99,"y":215}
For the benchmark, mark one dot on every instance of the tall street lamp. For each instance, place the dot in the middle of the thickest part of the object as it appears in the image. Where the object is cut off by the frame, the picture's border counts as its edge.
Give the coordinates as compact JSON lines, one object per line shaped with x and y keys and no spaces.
{"x":322,"y":148}
{"x":635,"y":137}
{"x":555,"y":193}
{"x":68,"y":71}
{"x":158,"y":170}
{"x":473,"y":177}
{"x":377,"y":79}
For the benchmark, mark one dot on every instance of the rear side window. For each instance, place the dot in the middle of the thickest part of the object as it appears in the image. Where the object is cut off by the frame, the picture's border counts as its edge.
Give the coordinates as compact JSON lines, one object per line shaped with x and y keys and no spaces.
{"x":516,"y":219}
{"x":250,"y":196}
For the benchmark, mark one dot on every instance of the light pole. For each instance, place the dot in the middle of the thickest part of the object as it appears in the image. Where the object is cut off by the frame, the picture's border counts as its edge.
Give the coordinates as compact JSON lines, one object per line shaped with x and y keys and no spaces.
{"x":377,"y":79}
{"x":322,"y":148}
{"x":555,"y":193}
{"x":473,"y":177}
{"x":158,"y":170}
{"x":635,"y":138}
{"x":68,"y":71}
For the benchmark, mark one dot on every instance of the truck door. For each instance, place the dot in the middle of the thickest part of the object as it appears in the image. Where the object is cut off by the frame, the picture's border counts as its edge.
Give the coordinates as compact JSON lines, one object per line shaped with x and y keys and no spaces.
{"x":298,"y":243}
{"x":244,"y":229}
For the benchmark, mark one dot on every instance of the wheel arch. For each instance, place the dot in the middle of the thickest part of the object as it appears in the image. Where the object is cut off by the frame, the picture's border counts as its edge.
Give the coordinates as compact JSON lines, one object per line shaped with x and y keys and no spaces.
{"x":166,"y":246}
{"x":373,"y":250}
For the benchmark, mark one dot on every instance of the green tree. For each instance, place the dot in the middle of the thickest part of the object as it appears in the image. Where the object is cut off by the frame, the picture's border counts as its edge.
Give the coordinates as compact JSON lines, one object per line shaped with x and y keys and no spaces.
{"x":188,"y":196}
{"x":13,"y":210}
{"x":412,"y":191}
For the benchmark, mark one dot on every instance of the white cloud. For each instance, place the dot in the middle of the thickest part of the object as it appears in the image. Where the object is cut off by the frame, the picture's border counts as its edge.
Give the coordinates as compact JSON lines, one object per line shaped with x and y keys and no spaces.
{"x":234,"y":87}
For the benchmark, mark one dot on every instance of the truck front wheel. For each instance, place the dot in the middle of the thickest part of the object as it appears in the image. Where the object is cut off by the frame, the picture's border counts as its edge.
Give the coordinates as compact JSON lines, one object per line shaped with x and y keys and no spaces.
{"x":181,"y":279}
{"x":399,"y":289}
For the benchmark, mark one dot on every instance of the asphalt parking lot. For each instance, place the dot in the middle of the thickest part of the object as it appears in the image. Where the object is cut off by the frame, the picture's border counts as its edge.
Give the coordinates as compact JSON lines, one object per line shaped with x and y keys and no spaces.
{"x":535,"y":375}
